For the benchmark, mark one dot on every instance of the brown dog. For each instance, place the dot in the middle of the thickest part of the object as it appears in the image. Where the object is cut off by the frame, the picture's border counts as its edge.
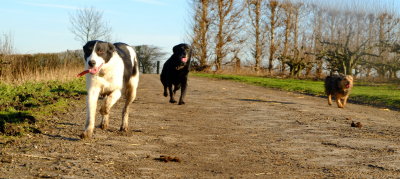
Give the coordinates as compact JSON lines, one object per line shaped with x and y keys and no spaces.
{"x":339,"y":86}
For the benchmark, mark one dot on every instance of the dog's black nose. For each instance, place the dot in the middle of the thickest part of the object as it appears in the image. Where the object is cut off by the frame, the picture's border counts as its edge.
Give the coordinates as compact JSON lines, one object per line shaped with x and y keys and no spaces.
{"x":92,"y":63}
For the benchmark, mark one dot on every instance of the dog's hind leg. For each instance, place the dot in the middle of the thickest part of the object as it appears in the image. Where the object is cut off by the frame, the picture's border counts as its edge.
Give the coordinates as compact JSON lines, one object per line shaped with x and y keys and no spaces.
{"x":107,"y":105}
{"x":130,"y":95}
{"x":183,"y":94}
{"x":91,"y":101}
{"x":329,"y":99}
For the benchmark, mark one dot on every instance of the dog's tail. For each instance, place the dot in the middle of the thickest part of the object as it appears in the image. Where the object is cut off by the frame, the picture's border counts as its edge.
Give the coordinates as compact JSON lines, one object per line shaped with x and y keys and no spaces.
{"x":327,"y":84}
{"x":135,"y":66}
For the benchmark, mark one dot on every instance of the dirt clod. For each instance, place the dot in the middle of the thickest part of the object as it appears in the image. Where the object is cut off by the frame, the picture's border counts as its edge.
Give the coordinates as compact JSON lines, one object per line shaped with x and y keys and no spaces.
{"x":163,"y":158}
{"x":356,"y":124}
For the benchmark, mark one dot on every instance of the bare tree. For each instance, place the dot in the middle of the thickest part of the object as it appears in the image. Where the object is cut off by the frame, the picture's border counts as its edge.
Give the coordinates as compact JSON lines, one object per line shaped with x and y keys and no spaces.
{"x":288,"y":10}
{"x":7,"y":44}
{"x":201,"y":26}
{"x":258,"y":32}
{"x":6,"y":49}
{"x":147,"y":56}
{"x":228,"y":15}
{"x":273,"y":19}
{"x":88,"y":24}
{"x":343,"y":56}
{"x":317,"y":35}
{"x":386,"y":23}
{"x":294,"y":54}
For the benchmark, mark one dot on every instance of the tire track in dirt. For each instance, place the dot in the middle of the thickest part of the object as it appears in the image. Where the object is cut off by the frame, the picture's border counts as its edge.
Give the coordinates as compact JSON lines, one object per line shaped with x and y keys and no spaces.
{"x":226,"y":129}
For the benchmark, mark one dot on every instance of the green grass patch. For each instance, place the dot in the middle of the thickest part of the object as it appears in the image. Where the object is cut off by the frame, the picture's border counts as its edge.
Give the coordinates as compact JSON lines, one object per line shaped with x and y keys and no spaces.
{"x":21,"y":106}
{"x":383,"y":95}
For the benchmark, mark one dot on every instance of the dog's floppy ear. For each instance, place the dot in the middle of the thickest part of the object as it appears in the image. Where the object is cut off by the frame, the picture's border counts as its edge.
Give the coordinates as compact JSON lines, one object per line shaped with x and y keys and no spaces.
{"x":111,"y":48}
{"x":349,"y":77}
{"x":175,"y":49}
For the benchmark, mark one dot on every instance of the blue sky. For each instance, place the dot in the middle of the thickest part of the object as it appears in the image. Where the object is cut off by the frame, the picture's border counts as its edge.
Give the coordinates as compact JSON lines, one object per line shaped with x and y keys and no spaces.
{"x":43,"y":25}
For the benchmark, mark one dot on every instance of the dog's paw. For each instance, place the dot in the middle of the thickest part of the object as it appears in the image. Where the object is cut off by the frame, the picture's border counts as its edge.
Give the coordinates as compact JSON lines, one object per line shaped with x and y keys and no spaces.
{"x":172,"y":101}
{"x":165,"y":94}
{"x":123,"y":129}
{"x":103,"y":126}
{"x":181,"y":103}
{"x":86,"y":135}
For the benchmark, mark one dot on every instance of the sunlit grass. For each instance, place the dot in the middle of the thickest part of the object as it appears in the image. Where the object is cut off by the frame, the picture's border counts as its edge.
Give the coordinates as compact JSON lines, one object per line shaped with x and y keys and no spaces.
{"x":387,"y":95}
{"x":21,"y":106}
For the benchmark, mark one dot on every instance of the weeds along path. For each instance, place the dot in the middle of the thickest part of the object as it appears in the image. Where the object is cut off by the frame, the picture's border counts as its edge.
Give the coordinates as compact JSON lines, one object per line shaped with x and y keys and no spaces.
{"x":226,"y":129}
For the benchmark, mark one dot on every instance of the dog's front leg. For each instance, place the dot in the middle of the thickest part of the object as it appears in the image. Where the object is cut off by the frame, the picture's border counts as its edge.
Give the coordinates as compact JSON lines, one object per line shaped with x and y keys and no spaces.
{"x":183,"y":94}
{"x":91,"y":101}
{"x":165,"y":91}
{"x":105,"y":109}
{"x":339,"y":101}
{"x":345,"y":100}
{"x":171,"y":94}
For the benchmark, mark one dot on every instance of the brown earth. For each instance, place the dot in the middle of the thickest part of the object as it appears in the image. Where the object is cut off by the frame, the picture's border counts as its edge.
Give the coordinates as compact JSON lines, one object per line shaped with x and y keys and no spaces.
{"x":225,"y":130}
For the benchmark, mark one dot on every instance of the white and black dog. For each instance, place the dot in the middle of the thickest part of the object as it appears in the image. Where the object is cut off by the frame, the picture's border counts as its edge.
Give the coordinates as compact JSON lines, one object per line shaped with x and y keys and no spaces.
{"x":111,"y":70}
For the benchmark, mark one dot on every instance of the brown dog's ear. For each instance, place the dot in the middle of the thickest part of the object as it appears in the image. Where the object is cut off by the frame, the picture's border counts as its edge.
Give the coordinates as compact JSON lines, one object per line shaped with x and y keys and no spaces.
{"x":111,"y":47}
{"x":349,"y":77}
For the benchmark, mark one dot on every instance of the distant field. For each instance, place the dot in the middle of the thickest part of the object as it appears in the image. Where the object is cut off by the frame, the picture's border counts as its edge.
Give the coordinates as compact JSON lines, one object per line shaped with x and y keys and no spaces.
{"x":384,"y":95}
{"x":22,"y":105}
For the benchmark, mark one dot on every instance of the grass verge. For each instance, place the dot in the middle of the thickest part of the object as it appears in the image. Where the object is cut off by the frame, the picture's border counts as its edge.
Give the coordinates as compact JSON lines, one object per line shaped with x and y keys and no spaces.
{"x":22,"y":106}
{"x":382,"y":95}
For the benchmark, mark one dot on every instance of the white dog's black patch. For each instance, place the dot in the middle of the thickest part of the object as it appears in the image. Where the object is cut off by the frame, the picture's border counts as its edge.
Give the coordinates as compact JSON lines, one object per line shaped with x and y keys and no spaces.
{"x":111,"y":70}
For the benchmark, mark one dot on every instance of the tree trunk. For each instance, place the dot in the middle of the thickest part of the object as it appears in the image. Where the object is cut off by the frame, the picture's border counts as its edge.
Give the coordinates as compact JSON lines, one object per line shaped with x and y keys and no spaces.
{"x":288,"y":28}
{"x":273,"y":7}
{"x":203,"y":33}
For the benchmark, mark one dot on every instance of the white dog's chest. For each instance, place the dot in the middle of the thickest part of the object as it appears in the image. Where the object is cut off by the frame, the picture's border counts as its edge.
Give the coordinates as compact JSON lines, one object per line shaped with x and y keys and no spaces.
{"x":107,"y":84}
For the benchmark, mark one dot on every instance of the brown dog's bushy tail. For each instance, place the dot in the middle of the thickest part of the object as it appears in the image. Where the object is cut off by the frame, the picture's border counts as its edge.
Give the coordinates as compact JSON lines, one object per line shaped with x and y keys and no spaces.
{"x":327,"y":84}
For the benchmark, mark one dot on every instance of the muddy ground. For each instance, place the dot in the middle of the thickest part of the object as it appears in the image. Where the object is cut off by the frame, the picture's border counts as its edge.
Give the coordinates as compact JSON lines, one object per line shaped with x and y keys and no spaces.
{"x":225,"y":130}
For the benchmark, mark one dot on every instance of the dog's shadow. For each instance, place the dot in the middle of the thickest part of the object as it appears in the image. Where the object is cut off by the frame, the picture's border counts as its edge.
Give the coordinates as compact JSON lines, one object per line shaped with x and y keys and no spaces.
{"x":265,"y":101}
{"x":57,"y":136}
{"x":60,"y":137}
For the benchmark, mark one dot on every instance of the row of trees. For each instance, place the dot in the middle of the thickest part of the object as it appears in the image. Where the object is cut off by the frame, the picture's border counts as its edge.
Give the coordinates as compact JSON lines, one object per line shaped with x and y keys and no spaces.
{"x":296,"y":37}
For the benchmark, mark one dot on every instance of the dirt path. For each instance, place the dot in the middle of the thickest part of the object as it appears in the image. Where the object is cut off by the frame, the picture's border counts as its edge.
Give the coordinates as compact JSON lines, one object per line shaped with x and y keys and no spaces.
{"x":227,"y":129}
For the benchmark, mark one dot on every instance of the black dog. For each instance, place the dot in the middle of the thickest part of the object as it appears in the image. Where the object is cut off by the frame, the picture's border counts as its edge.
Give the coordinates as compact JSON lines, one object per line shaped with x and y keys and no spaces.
{"x":175,"y":72}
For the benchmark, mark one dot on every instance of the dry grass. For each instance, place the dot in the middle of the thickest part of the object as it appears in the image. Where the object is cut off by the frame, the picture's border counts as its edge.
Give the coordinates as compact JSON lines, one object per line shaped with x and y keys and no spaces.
{"x":18,"y":69}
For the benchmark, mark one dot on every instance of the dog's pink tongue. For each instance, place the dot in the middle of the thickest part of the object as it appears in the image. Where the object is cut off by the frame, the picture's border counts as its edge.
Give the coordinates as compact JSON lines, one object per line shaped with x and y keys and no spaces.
{"x":184,"y":60}
{"x":82,"y":73}
{"x":347,"y":86}
{"x":91,"y":71}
